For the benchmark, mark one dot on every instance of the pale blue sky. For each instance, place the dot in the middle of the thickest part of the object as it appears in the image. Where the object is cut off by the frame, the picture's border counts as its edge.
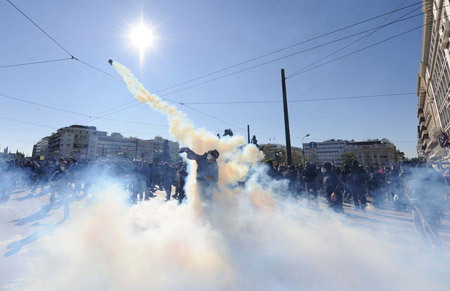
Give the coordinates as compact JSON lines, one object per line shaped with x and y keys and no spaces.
{"x":199,"y":37}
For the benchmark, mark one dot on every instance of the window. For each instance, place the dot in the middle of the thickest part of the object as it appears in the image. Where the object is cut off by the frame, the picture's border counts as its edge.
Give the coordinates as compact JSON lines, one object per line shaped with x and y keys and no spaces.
{"x":445,"y":77}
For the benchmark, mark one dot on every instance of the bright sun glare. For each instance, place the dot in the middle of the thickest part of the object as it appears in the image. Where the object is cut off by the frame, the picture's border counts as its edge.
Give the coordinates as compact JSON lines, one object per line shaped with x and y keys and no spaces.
{"x":142,"y":37}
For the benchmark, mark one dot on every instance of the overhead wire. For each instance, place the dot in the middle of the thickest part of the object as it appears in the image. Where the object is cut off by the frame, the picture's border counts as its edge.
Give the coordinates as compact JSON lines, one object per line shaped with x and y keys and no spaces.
{"x":60,"y":45}
{"x":287,"y":47}
{"x":363,"y":39}
{"x":43,"y":105}
{"x":97,"y":69}
{"x":75,"y":113}
{"x":252,"y":67}
{"x":359,"y":50}
{"x":19,"y":140}
{"x":26,"y":122}
{"x":299,"y":100}
{"x":35,"y":63}
{"x":267,"y":54}
{"x":287,"y":56}
{"x":307,"y":68}
{"x":40,"y":28}
{"x":187,"y":104}
{"x":93,"y":67}
{"x":213,"y":117}
{"x":354,"y":52}
{"x":190,"y":107}
{"x":106,"y":111}
{"x":199,"y":111}
{"x":264,"y":55}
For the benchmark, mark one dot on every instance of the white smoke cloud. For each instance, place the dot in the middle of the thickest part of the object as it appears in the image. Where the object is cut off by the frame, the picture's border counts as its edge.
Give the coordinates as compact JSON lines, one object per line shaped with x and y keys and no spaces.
{"x":251,"y":238}
{"x":235,"y":158}
{"x":236,"y":245}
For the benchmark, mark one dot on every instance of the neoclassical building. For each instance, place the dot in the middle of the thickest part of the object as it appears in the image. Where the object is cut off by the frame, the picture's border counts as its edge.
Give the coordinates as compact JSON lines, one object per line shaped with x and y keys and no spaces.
{"x":433,"y":82}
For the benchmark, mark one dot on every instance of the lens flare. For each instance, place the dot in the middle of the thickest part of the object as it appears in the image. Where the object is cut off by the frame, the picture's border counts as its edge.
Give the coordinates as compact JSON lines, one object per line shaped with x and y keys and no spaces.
{"x":142,"y":37}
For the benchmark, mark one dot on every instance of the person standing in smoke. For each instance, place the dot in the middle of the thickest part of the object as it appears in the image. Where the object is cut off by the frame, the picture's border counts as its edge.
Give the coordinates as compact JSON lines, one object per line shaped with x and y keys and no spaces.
{"x":35,"y":176}
{"x":169,"y":175}
{"x":309,"y":177}
{"x":374,"y":184}
{"x":358,"y":177}
{"x":332,"y":188}
{"x":272,"y":172}
{"x":207,"y":172}
{"x":344,"y":177}
{"x":426,"y":193}
{"x":393,"y":181}
{"x":59,"y":182}
{"x":290,"y":174}
{"x":181,"y":181}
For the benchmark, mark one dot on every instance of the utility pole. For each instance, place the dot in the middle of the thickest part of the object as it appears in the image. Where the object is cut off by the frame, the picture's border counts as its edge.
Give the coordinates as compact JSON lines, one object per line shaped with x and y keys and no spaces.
{"x":248,"y":133}
{"x":286,"y":120}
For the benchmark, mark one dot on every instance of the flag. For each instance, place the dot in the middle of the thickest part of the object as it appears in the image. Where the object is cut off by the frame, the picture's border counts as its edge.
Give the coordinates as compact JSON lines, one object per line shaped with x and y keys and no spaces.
{"x":444,"y":140}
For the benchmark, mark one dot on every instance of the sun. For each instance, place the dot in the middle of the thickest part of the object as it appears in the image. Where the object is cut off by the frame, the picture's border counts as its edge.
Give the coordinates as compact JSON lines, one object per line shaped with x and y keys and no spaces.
{"x":142,"y":37}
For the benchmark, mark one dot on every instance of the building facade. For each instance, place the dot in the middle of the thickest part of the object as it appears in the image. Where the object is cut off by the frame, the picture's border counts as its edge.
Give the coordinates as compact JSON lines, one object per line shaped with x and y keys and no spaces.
{"x":152,"y":150}
{"x":277,"y":153}
{"x":327,"y":151}
{"x":433,"y":110}
{"x":75,"y":141}
{"x":115,"y":146}
{"x":377,"y":153}
{"x":41,"y":147}
{"x":373,"y":153}
{"x":87,"y":143}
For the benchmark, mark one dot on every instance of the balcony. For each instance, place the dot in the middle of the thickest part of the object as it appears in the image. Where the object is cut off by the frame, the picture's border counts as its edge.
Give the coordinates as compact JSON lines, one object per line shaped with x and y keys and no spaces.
{"x":421,"y":117}
{"x":431,"y":144}
{"x":422,"y":127}
{"x":423,"y":147}
{"x":422,"y":94}
{"x":420,"y":113}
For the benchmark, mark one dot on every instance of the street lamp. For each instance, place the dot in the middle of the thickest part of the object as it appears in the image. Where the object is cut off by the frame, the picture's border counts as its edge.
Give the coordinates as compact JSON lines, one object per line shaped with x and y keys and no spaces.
{"x":303,"y":149}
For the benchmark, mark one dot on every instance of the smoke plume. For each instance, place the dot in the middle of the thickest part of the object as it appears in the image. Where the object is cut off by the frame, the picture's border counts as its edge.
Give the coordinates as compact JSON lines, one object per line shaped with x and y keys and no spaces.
{"x":252,"y":237}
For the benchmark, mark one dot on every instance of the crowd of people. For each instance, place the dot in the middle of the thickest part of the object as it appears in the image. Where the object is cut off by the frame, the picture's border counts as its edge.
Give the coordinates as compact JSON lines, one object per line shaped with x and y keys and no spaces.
{"x":70,"y":177}
{"x":419,"y":189}
{"x":140,"y":179}
{"x":406,"y":187}
{"x":354,"y":184}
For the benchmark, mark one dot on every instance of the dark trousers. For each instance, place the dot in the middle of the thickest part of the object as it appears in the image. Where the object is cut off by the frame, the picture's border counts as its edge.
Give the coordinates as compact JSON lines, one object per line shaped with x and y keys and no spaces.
{"x":359,"y":196}
{"x":168,"y":188}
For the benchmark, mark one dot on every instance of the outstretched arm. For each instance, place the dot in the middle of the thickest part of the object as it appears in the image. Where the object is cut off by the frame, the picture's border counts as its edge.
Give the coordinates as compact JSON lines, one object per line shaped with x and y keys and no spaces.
{"x":190,"y":154}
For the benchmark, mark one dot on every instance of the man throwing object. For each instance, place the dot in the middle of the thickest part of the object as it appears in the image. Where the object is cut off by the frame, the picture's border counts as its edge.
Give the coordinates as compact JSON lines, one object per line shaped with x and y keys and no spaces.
{"x":207,"y":172}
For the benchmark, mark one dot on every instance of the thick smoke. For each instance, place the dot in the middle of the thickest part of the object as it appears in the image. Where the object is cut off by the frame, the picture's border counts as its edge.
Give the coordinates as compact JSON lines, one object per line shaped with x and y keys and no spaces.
{"x":236,"y":245}
{"x":12,"y":176}
{"x":251,"y":237}
{"x":236,"y":157}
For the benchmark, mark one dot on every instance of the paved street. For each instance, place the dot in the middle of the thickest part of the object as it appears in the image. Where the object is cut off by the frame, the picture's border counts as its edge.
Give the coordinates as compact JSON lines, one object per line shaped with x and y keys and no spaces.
{"x":25,"y":218}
